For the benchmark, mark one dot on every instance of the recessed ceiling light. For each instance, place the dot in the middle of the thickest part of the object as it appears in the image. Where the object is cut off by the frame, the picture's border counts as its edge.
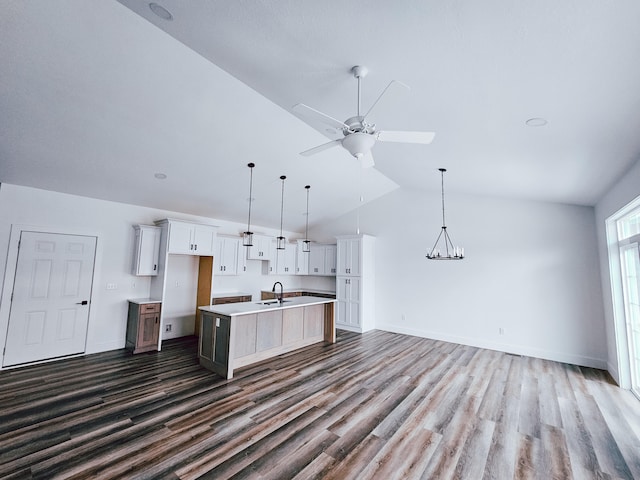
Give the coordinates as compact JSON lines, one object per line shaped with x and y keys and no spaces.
{"x":536,"y":122}
{"x":160,"y":176}
{"x":160,"y":11}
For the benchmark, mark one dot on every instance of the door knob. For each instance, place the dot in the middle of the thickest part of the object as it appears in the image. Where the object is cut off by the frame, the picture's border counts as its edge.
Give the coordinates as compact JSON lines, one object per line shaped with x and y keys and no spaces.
{"x":83,"y":302}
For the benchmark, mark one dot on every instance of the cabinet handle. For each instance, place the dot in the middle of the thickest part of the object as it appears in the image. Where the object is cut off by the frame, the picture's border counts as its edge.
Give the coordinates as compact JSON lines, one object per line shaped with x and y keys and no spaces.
{"x":154,"y":267}
{"x":196,"y":246}
{"x":156,"y":319}
{"x":191,"y":246}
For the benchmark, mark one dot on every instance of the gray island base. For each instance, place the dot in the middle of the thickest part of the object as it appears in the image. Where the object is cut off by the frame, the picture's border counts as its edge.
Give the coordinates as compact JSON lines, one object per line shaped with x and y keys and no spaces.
{"x":239,"y":334}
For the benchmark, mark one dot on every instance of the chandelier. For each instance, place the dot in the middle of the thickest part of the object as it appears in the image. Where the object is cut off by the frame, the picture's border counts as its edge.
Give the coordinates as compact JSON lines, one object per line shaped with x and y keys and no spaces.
{"x":444,"y":249}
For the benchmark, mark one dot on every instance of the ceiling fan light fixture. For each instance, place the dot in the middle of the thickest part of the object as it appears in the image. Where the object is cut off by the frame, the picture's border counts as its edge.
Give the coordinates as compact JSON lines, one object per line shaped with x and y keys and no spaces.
{"x":358,"y":143}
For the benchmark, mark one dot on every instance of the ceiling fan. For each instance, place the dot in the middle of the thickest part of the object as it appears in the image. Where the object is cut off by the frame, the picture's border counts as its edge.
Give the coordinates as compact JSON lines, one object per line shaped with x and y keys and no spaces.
{"x":359,"y":136}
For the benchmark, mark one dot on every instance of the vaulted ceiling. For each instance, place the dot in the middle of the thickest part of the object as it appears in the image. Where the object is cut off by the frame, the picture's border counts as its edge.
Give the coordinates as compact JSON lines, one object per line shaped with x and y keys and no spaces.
{"x":99,"y":96}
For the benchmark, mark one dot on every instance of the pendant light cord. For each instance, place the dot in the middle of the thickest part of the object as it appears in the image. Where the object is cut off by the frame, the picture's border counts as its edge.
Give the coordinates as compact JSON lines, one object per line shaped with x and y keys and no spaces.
{"x":251,"y":165}
{"x":306,"y":228}
{"x":282,"y":204}
{"x":442,"y":170}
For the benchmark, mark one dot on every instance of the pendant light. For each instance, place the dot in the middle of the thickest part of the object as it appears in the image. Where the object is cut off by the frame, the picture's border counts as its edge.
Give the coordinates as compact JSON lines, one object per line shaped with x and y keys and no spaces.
{"x":306,"y":244}
{"x":449,"y":252}
{"x":281,"y":240}
{"x":247,"y":237}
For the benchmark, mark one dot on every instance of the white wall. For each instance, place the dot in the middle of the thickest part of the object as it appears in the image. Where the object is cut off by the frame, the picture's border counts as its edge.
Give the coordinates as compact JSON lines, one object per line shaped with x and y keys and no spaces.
{"x":531,"y":269}
{"x":112,"y":223}
{"x":622,"y":193}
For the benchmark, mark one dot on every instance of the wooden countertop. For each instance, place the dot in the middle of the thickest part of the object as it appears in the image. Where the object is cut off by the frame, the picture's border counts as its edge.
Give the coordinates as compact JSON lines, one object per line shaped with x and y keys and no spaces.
{"x":245,"y":308}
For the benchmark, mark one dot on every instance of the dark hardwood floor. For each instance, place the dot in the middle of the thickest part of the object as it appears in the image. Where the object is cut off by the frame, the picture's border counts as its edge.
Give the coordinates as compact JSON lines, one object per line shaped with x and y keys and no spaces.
{"x":373,"y":406}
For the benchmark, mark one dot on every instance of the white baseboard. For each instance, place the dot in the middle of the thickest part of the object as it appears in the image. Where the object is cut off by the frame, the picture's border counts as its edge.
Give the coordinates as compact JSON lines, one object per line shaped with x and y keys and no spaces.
{"x":563,"y":357}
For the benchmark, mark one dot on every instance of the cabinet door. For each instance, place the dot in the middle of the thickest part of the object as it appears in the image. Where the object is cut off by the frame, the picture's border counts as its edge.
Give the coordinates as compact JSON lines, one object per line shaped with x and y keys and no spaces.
{"x":342,"y":288}
{"x":349,"y":256}
{"x":354,"y":314}
{"x":180,"y":238}
{"x":261,"y":249}
{"x":342,"y":312}
{"x":354,"y":289}
{"x":148,"y":330}
{"x":204,"y":239}
{"x":288,"y":266}
{"x":317,"y":260}
{"x":302,"y":260}
{"x":226,"y":257}
{"x":242,"y":258}
{"x":147,"y":250}
{"x":330,"y":260}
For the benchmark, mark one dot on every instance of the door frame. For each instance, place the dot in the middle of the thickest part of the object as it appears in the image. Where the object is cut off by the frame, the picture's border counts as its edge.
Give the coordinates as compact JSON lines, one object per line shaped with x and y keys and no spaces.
{"x":10,"y":274}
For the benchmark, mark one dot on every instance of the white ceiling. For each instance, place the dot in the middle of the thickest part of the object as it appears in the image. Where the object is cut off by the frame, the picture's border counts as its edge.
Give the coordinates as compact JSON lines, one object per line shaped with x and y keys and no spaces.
{"x":97,"y":96}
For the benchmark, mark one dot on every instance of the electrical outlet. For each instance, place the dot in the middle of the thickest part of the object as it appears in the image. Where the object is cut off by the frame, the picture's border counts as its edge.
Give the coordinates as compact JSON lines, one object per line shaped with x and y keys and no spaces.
{"x":167,"y":327}
{"x":501,"y":331}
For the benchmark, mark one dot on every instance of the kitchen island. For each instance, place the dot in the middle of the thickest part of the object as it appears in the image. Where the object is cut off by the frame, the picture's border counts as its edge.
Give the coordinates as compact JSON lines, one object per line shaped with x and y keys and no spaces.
{"x":239,"y":334}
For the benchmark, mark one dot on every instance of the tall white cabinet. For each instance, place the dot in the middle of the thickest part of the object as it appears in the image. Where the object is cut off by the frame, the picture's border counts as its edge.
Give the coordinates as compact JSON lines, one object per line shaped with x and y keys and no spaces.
{"x":355,"y":283}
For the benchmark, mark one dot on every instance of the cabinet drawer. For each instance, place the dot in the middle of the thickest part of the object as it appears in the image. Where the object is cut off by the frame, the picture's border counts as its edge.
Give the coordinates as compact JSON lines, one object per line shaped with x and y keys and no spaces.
{"x":150,"y":308}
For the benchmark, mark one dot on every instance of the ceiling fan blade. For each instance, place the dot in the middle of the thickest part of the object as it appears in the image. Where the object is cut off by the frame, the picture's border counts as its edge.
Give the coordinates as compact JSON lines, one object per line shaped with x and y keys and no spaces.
{"x":393,"y":82}
{"x":406,"y":137}
{"x":366,"y":160}
{"x":316,"y":116}
{"x":319,"y":148}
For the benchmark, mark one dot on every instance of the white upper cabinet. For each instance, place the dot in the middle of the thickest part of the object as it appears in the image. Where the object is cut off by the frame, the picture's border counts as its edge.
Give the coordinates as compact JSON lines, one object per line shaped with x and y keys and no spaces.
{"x":330,"y":259}
{"x":228,"y":259}
{"x":322,"y":259}
{"x":349,"y":256}
{"x":204,"y":240}
{"x":286,"y":260}
{"x":316,"y":259}
{"x":262,"y":248}
{"x":190,"y":238}
{"x":146,"y":250}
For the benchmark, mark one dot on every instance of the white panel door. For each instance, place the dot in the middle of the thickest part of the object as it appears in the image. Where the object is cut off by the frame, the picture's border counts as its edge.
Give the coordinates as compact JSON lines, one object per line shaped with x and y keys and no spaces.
{"x":51,"y":293}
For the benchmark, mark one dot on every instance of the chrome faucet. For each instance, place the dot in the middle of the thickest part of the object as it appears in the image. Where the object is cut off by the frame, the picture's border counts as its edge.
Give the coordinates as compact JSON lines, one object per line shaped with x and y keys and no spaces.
{"x":281,"y":291}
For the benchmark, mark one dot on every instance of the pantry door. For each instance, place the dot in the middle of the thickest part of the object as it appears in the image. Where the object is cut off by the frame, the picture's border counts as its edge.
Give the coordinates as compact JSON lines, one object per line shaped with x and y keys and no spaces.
{"x":51,"y":297}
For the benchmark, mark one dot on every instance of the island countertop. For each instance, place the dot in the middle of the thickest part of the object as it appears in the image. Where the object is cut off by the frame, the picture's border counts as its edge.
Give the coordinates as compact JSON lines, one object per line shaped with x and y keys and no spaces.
{"x":246,"y":308}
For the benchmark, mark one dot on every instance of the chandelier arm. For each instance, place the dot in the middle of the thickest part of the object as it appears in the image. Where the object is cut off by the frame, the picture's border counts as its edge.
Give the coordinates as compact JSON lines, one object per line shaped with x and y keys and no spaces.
{"x":448,"y":242}
{"x":436,"y":243}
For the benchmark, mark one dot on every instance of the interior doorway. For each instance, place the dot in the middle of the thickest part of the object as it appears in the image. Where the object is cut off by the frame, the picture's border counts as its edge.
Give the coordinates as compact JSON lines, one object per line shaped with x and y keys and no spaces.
{"x":50,"y":297}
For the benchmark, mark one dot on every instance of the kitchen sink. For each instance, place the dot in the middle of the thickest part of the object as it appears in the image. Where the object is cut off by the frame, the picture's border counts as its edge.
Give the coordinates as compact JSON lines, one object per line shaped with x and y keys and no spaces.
{"x":272,"y":302}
